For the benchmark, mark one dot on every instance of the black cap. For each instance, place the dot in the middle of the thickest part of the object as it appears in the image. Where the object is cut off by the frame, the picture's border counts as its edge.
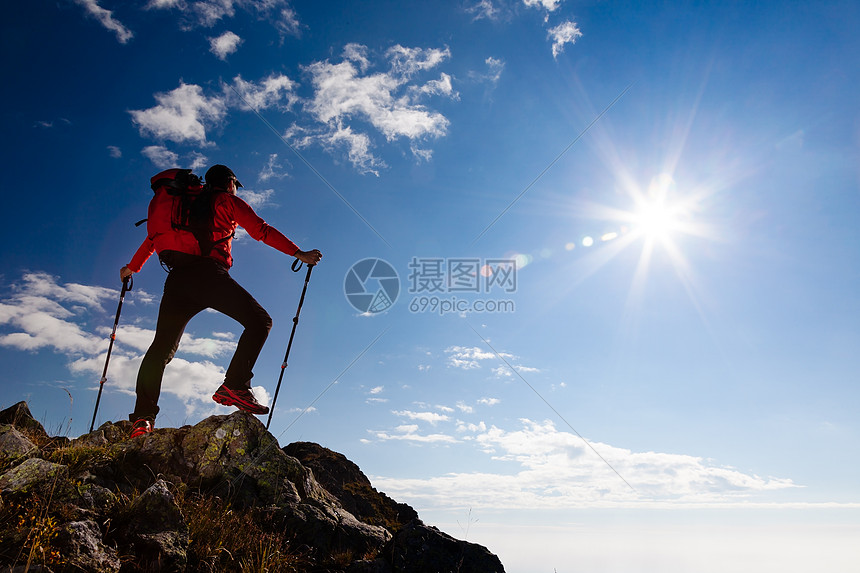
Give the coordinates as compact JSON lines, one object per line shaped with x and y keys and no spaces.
{"x":219,"y":175}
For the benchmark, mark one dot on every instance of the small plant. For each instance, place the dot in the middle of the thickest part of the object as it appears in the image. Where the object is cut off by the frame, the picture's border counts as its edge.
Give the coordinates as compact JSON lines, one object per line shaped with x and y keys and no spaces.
{"x":78,"y":457}
{"x":28,"y":532}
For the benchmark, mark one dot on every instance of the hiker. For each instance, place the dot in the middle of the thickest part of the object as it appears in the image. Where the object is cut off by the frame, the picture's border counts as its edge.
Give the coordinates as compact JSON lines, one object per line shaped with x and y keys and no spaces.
{"x":198,"y":261}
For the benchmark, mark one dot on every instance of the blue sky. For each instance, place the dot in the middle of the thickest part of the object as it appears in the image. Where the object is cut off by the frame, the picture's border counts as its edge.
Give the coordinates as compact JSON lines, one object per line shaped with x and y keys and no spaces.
{"x":625,"y":333}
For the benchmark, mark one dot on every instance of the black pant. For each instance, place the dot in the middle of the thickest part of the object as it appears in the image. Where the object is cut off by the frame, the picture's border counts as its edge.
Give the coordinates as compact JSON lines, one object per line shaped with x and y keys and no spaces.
{"x":192,"y":286}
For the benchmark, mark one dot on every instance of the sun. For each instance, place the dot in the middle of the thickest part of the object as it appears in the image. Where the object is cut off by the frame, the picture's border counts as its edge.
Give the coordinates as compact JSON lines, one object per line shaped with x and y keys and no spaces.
{"x":655,"y":221}
{"x":656,"y":218}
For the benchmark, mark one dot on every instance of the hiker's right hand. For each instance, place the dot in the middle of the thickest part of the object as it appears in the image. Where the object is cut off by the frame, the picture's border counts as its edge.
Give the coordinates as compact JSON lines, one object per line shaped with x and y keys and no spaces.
{"x":309,"y":257}
{"x":124,"y":273}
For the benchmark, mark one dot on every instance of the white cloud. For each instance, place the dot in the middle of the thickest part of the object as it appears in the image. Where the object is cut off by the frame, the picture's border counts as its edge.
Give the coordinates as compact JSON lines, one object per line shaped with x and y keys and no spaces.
{"x":556,"y":470}
{"x":114,"y":151}
{"x":376,"y":390}
{"x":224,"y":45}
{"x":209,"y":12}
{"x":287,"y":22}
{"x":197,"y":160}
{"x":493,"y":73}
{"x":504,"y":371}
{"x":163,"y":158}
{"x":442,"y":86}
{"x":489,"y":401}
{"x":465,"y":408}
{"x":468,"y":358}
{"x":548,"y":5}
{"x":164,"y":4}
{"x":409,"y":433}
{"x":332,"y":138}
{"x":270,"y":92}
{"x":565,"y":33}
{"x":272,"y":169}
{"x":106,"y":19}
{"x":41,"y":313}
{"x":429,"y":417}
{"x":346,"y":96}
{"x":483,"y":9}
{"x":181,"y":115}
{"x":257,"y":199}
{"x":357,"y":54}
{"x":406,"y":62}
{"x":160,"y":156}
{"x":463,"y":427}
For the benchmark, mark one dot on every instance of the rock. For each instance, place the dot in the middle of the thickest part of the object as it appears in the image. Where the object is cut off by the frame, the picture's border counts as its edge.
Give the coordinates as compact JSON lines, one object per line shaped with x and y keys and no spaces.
{"x":330,"y":530}
{"x":83,"y":549}
{"x":158,"y":530}
{"x":370,"y":566}
{"x":14,"y":445}
{"x":19,"y":416}
{"x":418,"y":548}
{"x":308,"y":496}
{"x":235,"y":454}
{"x":34,"y":476}
{"x":351,"y":487}
{"x":96,"y":497}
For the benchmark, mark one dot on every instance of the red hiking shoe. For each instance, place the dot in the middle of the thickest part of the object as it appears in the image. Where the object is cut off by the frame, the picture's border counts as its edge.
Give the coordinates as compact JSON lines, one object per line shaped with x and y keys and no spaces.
{"x":242,"y":399}
{"x":141,"y":427}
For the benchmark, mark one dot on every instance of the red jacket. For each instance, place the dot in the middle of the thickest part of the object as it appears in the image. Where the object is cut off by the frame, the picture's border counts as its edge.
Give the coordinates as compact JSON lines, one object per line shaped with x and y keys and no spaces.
{"x":229,"y":212}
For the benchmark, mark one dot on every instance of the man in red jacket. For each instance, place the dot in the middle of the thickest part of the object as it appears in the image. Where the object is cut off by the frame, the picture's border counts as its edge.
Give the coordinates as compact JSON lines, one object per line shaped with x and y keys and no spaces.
{"x":199,"y":280}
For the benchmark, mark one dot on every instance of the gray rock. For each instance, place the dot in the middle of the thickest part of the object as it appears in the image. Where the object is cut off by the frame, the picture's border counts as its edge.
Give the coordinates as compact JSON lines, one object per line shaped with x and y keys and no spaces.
{"x":330,"y":530}
{"x":83,"y":548}
{"x":34,"y":475}
{"x":235,"y":453}
{"x":158,"y":530}
{"x":14,"y":445}
{"x":19,"y":416}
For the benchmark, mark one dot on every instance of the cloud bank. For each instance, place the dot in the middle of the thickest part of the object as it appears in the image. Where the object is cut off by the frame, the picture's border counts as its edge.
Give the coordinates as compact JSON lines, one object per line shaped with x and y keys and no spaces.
{"x":557,"y":470}
{"x":40,"y":313}
{"x":351,"y":107}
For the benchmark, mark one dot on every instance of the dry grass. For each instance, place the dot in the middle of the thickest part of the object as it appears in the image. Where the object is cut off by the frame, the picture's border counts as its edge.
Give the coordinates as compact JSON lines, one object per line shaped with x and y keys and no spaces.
{"x":228,"y":539}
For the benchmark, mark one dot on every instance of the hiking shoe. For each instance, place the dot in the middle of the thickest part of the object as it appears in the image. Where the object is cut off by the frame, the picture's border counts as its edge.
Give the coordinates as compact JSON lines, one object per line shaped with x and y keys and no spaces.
{"x":242,"y":399}
{"x":141,"y":427}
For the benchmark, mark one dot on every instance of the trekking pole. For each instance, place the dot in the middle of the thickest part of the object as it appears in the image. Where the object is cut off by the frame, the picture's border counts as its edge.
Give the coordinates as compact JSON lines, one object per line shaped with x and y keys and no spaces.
{"x":127,"y":283}
{"x":292,"y":334}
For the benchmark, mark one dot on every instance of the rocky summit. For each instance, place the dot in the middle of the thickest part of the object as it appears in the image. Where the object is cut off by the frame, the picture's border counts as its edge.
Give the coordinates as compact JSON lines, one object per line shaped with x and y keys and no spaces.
{"x":221,"y":495}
